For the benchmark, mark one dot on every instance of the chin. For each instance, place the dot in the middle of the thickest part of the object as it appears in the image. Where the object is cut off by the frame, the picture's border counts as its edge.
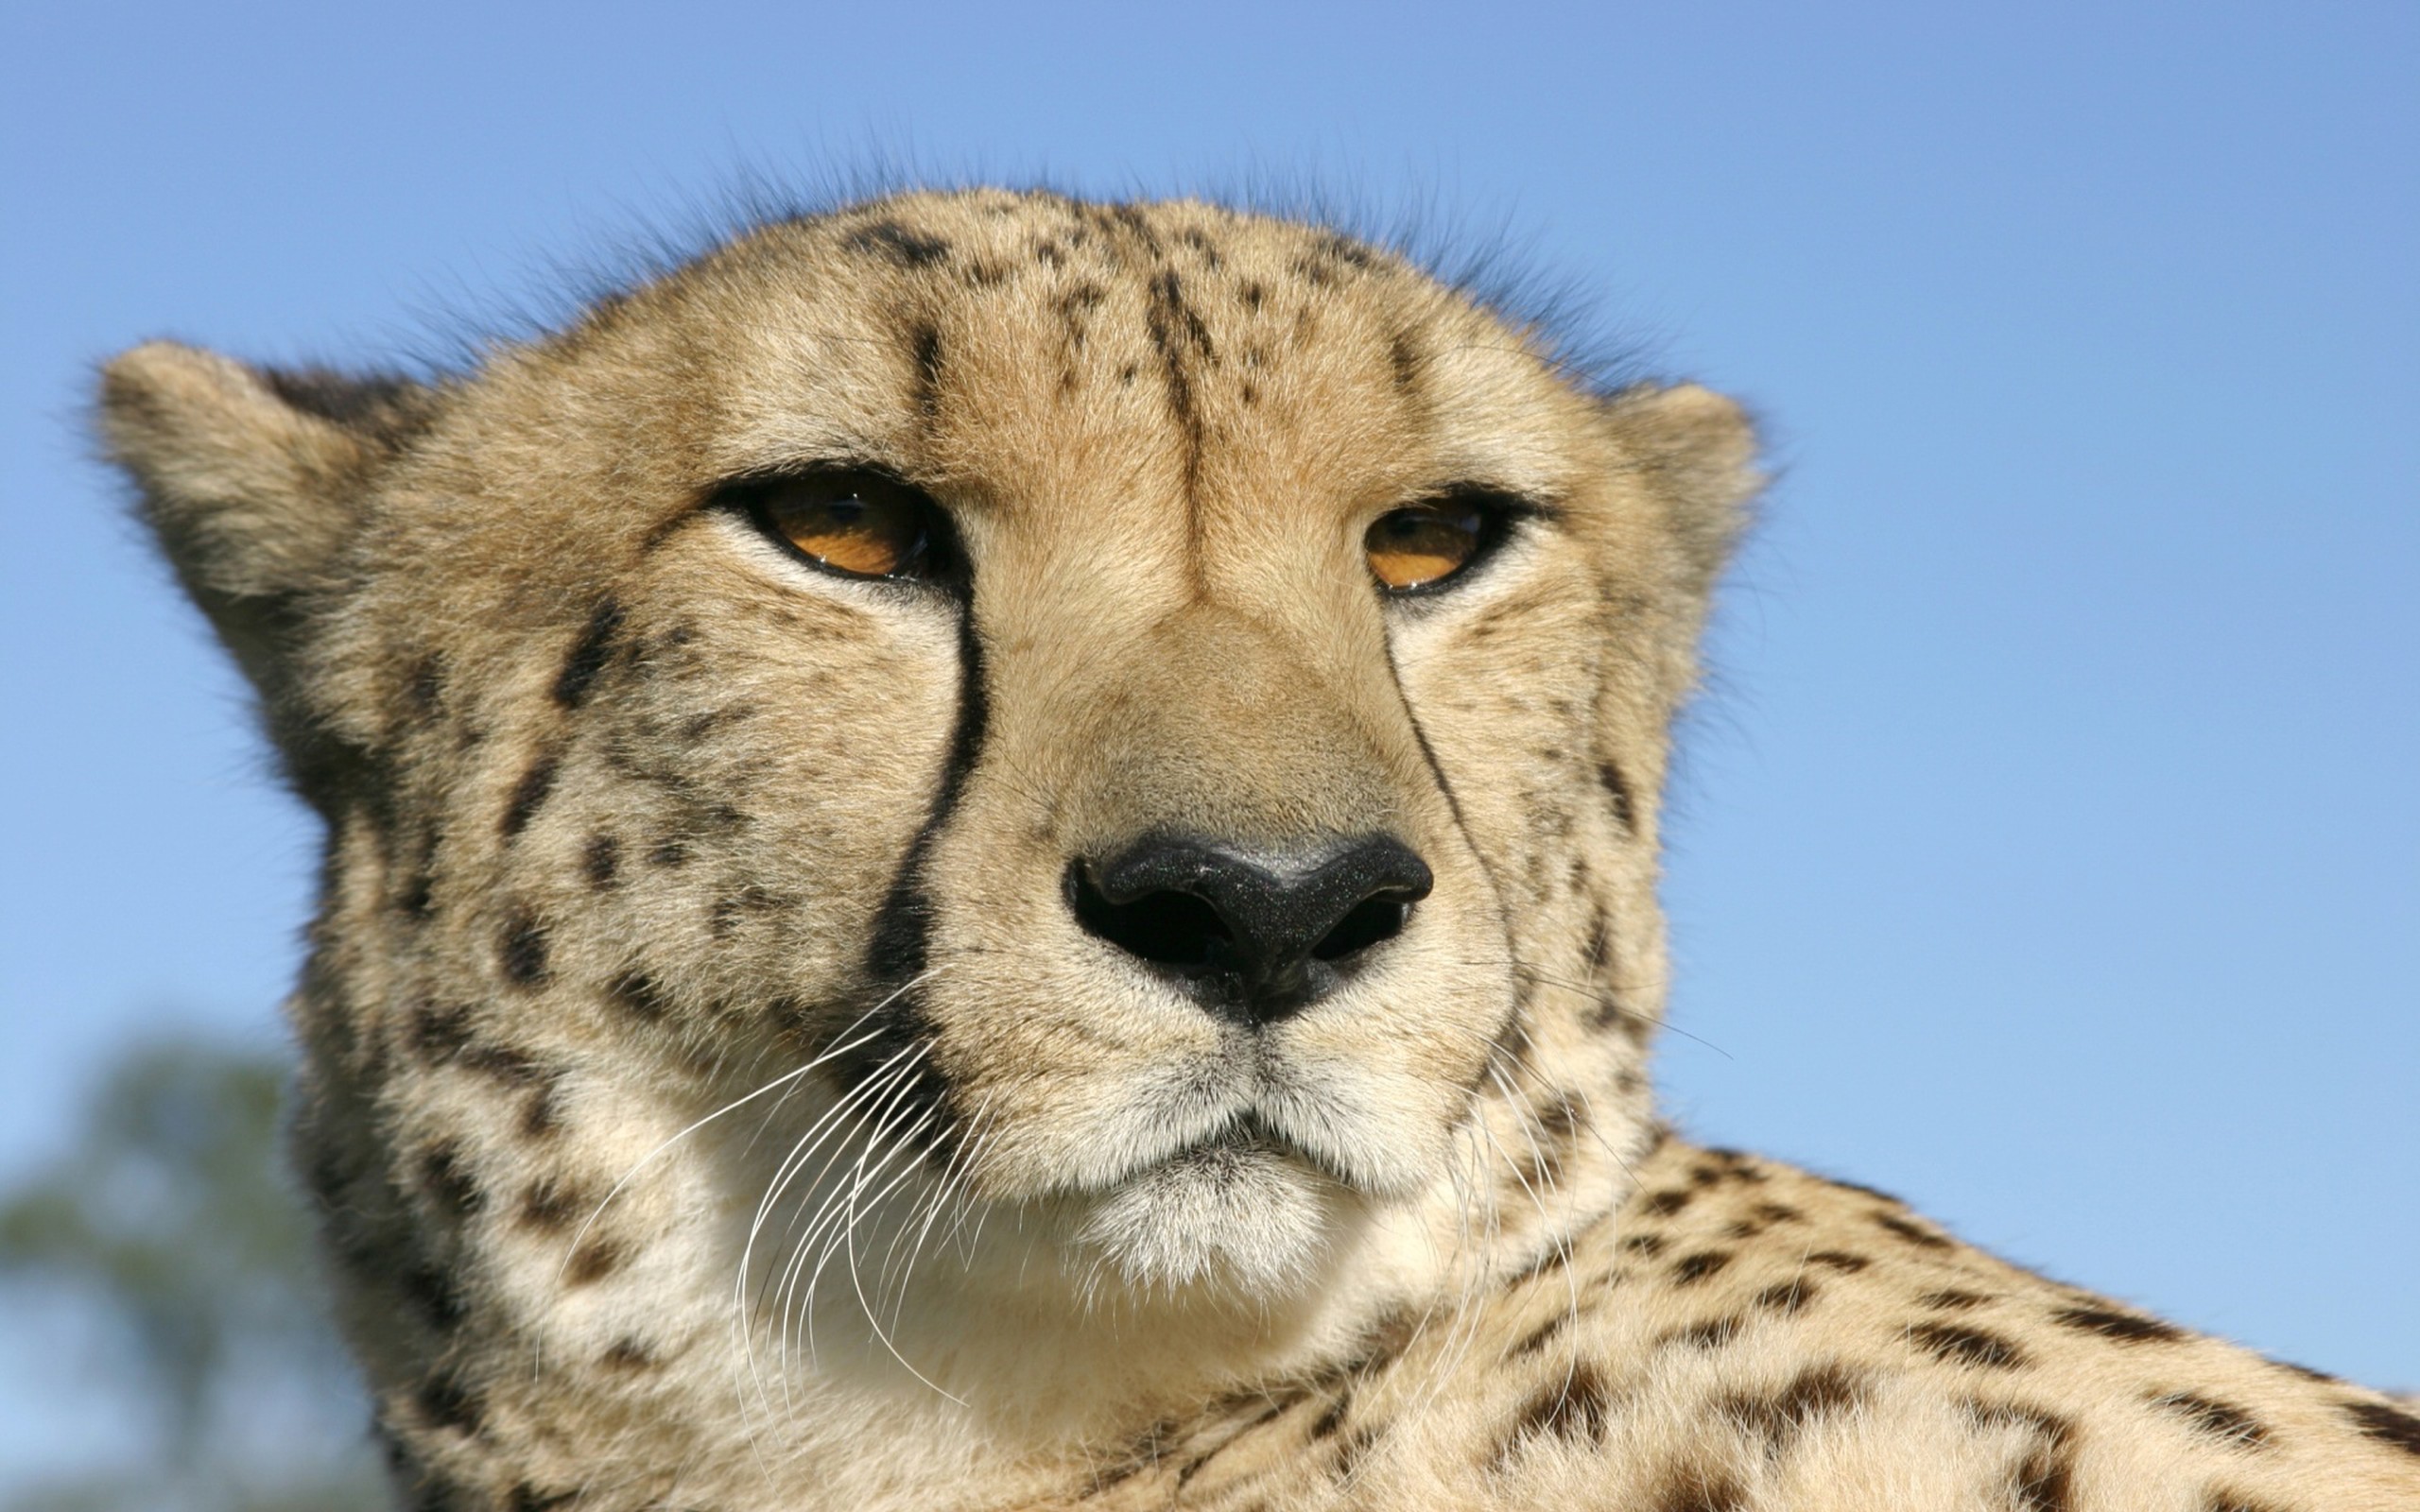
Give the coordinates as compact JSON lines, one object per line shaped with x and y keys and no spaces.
{"x":1226,"y":1220}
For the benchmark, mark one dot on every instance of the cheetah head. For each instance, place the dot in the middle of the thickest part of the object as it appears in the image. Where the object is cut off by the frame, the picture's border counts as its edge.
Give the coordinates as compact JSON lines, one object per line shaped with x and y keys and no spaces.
{"x":997,"y":758}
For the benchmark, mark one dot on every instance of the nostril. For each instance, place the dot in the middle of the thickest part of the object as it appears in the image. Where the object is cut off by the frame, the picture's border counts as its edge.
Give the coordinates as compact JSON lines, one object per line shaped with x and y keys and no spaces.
{"x":1372,"y":922}
{"x":1172,"y":929}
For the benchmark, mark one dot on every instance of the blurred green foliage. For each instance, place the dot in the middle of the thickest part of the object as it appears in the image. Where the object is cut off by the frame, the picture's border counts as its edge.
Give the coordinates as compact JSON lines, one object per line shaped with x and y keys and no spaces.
{"x":170,"y":1234}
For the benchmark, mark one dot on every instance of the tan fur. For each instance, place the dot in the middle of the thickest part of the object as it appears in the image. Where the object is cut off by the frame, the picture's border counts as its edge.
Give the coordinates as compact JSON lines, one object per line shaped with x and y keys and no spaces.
{"x":712,"y":1102}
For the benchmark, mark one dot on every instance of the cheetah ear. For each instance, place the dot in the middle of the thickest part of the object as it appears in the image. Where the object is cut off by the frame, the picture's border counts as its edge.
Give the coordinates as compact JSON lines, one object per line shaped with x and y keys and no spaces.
{"x":1696,"y":451}
{"x":251,"y":479}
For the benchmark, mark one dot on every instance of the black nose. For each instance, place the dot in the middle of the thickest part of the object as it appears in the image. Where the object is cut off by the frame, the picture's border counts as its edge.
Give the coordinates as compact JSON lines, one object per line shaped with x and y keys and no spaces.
{"x":1256,"y":935}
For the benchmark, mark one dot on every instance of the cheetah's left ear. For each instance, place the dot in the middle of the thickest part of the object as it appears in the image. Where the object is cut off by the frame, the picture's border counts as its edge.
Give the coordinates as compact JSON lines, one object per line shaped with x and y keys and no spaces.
{"x":1696,"y":452}
{"x":253,"y":480}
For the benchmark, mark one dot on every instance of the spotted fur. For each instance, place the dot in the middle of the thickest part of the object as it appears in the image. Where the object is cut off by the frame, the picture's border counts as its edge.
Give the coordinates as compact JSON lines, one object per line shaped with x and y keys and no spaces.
{"x":712,"y":1101}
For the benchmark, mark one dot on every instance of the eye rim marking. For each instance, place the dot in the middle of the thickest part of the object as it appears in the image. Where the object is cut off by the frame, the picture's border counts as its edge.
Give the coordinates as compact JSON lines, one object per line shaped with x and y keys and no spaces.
{"x":1494,"y":512}
{"x":933,"y":559}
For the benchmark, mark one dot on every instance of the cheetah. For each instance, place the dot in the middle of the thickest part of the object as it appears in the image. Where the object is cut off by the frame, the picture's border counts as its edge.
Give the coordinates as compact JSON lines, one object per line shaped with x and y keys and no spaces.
{"x":986,"y":851}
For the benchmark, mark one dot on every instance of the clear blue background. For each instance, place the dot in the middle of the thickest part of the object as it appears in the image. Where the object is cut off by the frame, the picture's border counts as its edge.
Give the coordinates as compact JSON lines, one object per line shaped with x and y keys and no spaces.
{"x":2048,"y":850}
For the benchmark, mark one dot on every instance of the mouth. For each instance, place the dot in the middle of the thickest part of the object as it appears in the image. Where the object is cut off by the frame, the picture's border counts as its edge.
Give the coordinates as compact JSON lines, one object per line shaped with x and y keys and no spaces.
{"x":1244,"y":1207}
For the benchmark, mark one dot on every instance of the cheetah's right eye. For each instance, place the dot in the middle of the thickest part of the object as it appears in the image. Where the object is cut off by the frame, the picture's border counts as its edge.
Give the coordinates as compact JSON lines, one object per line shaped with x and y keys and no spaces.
{"x":856,"y":524}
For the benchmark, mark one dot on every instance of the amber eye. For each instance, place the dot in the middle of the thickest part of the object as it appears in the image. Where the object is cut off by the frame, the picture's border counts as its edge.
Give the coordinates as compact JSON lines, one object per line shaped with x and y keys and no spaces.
{"x":858,"y":524}
{"x":1424,"y":544}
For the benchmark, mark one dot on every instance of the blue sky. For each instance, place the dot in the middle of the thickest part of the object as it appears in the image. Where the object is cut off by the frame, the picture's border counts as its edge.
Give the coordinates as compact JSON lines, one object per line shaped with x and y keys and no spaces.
{"x":2048,"y":849}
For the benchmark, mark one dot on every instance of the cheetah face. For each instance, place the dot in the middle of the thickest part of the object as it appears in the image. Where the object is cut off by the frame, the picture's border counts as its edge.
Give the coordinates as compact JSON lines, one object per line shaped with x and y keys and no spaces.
{"x":1140,"y":719}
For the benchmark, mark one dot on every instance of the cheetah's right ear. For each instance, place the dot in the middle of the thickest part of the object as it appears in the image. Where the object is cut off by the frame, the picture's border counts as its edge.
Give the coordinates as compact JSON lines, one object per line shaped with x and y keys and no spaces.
{"x":251,"y":479}
{"x":1697,"y":449}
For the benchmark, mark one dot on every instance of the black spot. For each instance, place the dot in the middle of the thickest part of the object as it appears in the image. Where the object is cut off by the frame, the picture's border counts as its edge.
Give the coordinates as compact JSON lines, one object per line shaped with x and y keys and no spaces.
{"x":924,"y":351}
{"x":2305,"y":1371}
{"x":448,"y":1178}
{"x":629,"y":1356}
{"x":1600,"y":939}
{"x":523,"y":951}
{"x":1561,"y":1117}
{"x":1816,"y":1392}
{"x":1690,"y":1269}
{"x":603,"y":861}
{"x":2044,"y":1482}
{"x":527,"y":1498}
{"x":552,"y":1204}
{"x":1546,"y":1263}
{"x":1923,"y":1238}
{"x":1957,"y":1344}
{"x":505,"y":1063}
{"x":2123,"y":1327}
{"x":1665,"y":1204}
{"x":2386,"y":1424}
{"x":1350,"y":1449}
{"x":1790,"y":1297}
{"x":2040,"y":1422}
{"x":1616,"y":787}
{"x":2225,"y":1500}
{"x":1953,"y":1301}
{"x":1875,"y":1193}
{"x":1648,"y":1245}
{"x":1776,"y":1212}
{"x":1537,"y":1338}
{"x":440,"y":1033}
{"x":1332,"y":1417}
{"x":1571,"y":1409}
{"x":528,"y":795}
{"x":589,"y":654}
{"x":2218,"y":1419}
{"x":425,"y":689}
{"x":446,"y":1402}
{"x":592,"y":1262}
{"x":1696,"y":1490}
{"x":636,"y":992}
{"x":1404,"y":359}
{"x":668,"y":854}
{"x":1710,"y":1334}
{"x":417,"y":898}
{"x":888,"y":239}
{"x":542,"y":1112}
{"x":433,"y":1292}
{"x":1846,"y":1264}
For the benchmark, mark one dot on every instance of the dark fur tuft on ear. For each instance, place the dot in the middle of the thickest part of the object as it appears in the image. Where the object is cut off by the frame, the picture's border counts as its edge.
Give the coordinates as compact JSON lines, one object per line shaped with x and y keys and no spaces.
{"x":252,"y":482}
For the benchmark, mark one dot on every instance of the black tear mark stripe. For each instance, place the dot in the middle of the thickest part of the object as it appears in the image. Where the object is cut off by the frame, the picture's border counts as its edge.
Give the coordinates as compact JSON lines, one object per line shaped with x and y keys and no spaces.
{"x":900,"y":949}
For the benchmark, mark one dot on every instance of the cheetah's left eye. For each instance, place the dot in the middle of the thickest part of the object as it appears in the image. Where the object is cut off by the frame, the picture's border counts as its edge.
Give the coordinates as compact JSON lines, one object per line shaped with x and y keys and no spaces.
{"x":1422,"y":544}
{"x":854,"y":522}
